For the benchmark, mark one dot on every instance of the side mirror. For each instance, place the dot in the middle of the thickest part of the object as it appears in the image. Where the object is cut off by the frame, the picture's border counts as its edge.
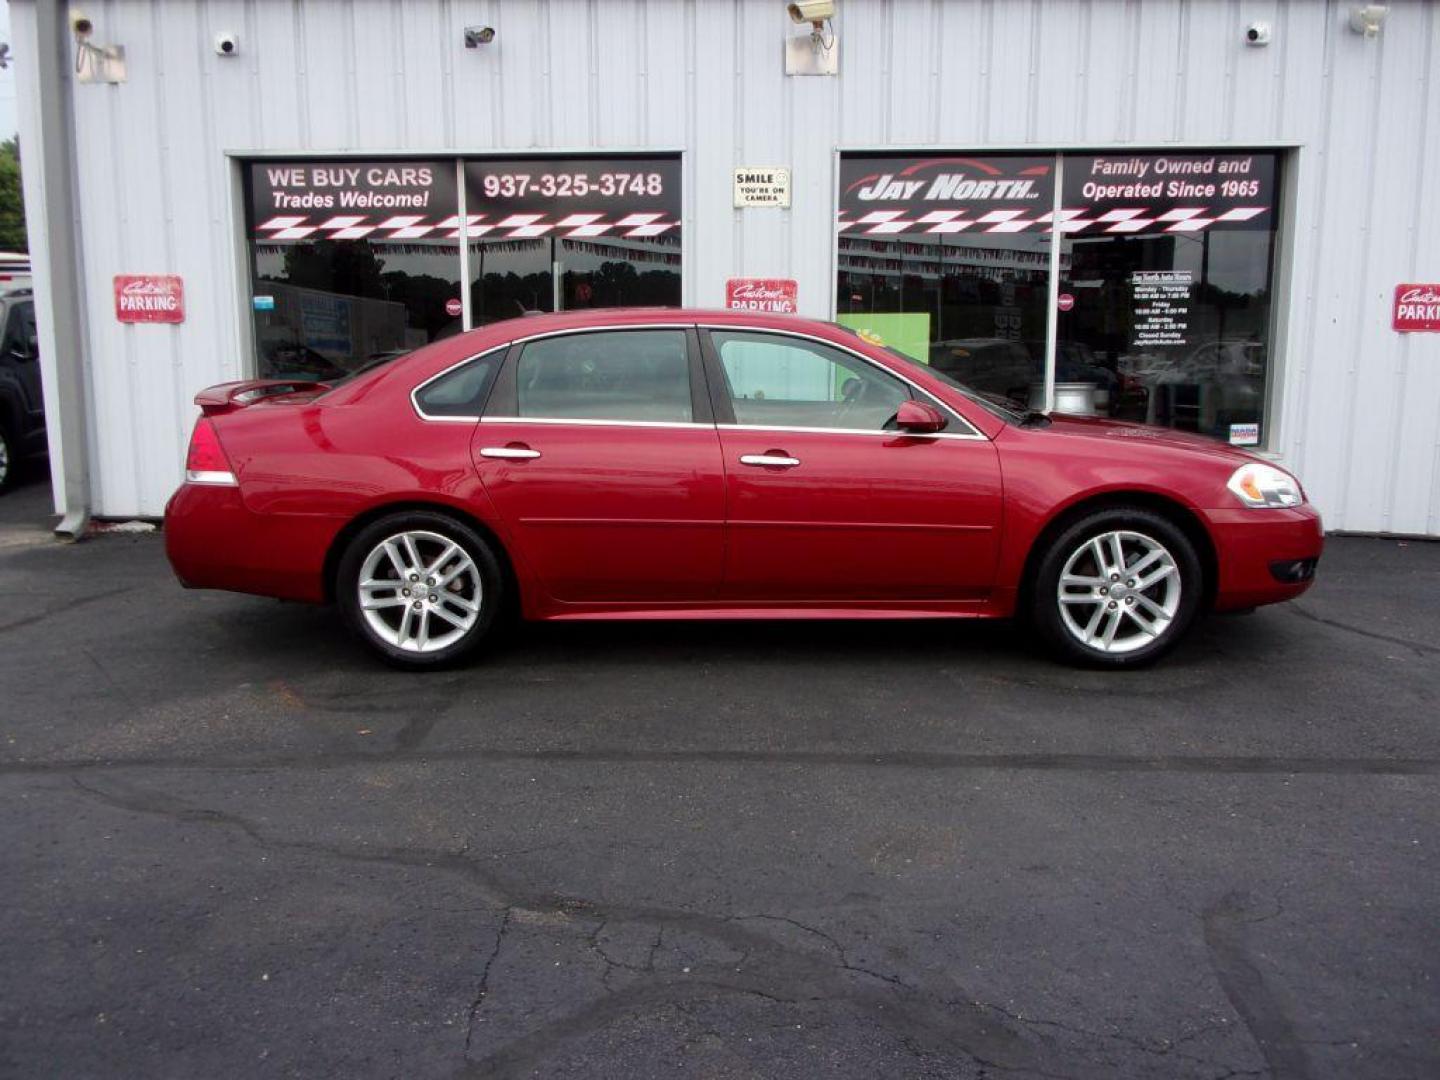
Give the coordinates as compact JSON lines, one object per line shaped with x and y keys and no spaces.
{"x":919,"y":418}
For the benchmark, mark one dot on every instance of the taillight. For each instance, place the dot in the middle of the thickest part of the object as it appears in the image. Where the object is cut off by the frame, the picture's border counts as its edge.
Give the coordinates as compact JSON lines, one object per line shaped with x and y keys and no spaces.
{"x":206,"y":462}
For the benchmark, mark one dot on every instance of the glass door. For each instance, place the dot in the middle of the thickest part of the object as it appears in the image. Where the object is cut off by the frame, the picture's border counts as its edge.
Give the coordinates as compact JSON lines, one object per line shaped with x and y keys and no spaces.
{"x":1166,"y":288}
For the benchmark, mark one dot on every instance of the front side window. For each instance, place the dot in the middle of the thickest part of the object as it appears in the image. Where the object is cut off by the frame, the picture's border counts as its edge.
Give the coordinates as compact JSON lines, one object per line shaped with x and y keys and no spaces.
{"x":788,"y":382}
{"x":635,"y":375}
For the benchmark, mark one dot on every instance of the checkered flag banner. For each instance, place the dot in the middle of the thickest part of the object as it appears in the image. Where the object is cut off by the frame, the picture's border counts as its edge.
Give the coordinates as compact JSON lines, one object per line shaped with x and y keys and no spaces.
{"x":417,"y":227}
{"x":1130,"y":220}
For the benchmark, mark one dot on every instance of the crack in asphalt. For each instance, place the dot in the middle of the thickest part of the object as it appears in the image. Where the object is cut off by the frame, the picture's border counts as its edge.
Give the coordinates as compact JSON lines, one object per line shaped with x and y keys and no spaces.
{"x":918,"y":759}
{"x":1226,"y":928}
{"x":484,"y":987}
{"x":69,"y":606}
{"x":928,"y":1020}
{"x":1420,"y":648}
{"x":767,"y":968}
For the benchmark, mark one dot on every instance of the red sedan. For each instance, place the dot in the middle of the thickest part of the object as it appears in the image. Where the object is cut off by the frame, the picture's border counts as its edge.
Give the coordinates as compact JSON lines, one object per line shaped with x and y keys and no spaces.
{"x":666,"y":464}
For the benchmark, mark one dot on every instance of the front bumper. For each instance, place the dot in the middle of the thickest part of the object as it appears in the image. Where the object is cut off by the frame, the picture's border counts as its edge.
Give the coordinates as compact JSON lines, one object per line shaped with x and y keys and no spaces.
{"x":1264,"y":556}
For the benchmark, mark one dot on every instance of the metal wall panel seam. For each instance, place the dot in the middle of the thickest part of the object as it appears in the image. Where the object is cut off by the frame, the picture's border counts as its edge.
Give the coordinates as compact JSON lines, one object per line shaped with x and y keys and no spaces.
{"x":1374,"y":57}
{"x":175,"y":371}
{"x":1404,"y":347}
{"x":1304,"y":381}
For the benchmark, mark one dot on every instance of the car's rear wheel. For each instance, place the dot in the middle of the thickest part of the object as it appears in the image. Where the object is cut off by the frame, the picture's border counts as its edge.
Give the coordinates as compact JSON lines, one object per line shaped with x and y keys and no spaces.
{"x":1117,"y":588}
{"x":420,"y":588}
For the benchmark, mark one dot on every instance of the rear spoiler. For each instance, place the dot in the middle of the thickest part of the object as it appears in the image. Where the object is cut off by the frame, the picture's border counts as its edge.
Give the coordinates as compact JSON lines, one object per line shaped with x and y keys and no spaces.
{"x":229,"y":396}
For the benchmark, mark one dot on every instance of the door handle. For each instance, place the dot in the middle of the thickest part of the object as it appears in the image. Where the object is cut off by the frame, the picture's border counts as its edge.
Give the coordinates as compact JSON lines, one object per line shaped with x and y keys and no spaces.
{"x":517,"y":453}
{"x":773,"y":461}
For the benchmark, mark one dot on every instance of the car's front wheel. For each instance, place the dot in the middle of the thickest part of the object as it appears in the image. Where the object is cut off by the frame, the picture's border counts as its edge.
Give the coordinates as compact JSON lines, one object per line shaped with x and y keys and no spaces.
{"x":1117,"y":588}
{"x":421,"y":588}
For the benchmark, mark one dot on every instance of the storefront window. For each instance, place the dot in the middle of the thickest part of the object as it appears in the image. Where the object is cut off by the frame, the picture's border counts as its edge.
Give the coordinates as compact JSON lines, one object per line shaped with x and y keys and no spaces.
{"x":1165,"y":277}
{"x":947,"y":260}
{"x":1165,"y":298}
{"x":352,"y":261}
{"x":552,"y":234}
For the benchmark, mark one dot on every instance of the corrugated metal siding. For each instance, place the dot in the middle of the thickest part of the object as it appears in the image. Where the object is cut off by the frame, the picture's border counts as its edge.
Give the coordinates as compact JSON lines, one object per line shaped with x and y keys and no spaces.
{"x":1357,"y":408}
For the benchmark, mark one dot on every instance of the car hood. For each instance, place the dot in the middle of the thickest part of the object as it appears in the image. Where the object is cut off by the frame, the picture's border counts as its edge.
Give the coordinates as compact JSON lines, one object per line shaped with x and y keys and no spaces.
{"x":1132,"y":433}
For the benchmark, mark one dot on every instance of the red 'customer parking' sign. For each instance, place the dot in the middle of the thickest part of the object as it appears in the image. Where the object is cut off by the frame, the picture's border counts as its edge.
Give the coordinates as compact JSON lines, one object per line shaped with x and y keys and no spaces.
{"x":1417,"y":308}
{"x":149,"y":298}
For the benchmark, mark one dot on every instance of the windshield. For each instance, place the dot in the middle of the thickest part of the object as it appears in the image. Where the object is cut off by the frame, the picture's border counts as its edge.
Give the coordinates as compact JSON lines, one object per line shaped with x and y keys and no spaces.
{"x":1007,"y":409}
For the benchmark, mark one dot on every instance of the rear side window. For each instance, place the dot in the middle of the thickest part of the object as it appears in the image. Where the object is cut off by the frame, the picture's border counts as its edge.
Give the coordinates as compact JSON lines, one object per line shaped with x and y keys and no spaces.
{"x":610,"y":375}
{"x":461,"y":392}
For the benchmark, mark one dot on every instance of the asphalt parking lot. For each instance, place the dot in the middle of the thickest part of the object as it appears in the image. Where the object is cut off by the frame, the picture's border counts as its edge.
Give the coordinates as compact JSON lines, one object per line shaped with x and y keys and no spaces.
{"x":233,"y":845}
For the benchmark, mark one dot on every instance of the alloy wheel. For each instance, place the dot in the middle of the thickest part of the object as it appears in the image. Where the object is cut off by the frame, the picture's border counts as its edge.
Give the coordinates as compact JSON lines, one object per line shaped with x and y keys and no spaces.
{"x":420,"y":591}
{"x":1119,"y":591}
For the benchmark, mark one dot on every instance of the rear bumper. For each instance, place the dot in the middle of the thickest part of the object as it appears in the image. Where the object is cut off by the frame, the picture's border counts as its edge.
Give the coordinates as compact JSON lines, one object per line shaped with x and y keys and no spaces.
{"x":214,"y":542}
{"x":1264,"y":556}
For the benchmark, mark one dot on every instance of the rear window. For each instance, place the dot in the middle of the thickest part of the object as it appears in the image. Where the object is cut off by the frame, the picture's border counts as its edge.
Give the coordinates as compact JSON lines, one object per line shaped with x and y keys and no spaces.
{"x":461,"y":391}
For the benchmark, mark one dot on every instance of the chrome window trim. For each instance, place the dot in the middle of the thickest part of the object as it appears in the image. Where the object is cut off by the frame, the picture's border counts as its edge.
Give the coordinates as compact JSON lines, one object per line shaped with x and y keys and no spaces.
{"x":587,"y":422}
{"x":974,"y":432}
{"x":884,"y":433}
{"x":971,"y":432}
{"x":415,"y":390}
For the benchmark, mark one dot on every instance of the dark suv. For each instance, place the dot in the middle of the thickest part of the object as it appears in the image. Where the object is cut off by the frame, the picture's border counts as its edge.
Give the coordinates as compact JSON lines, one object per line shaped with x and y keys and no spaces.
{"x":22,"y":408}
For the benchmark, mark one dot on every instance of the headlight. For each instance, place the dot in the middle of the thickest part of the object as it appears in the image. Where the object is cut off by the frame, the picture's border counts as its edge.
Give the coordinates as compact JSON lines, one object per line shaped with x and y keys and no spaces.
{"x":1264,"y":485}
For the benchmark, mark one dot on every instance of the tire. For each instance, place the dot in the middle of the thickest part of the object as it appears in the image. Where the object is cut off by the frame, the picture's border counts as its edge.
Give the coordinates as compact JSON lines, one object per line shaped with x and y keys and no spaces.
{"x":9,"y":465}
{"x":1103,"y":620}
{"x":452,"y":563}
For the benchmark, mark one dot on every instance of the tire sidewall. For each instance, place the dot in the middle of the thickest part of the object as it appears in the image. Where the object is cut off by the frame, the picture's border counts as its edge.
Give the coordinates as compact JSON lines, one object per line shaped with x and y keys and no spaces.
{"x":8,"y":470}
{"x":1045,"y":611}
{"x":492,"y":583}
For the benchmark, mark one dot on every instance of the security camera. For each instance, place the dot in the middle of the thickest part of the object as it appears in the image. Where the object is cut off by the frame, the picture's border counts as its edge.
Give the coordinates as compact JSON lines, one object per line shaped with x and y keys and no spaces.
{"x":475,"y":36}
{"x":81,"y":24}
{"x":1257,"y":33}
{"x":1368,"y":19}
{"x":227,"y":43}
{"x":812,"y":11}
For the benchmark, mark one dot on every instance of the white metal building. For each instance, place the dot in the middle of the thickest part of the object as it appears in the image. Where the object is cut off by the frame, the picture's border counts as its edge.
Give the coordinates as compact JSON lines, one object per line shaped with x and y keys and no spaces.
{"x":1256,"y":306}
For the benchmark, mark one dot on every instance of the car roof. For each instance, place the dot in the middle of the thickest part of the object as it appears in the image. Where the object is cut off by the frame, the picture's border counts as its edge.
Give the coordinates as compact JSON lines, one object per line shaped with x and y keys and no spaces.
{"x":598,"y":318}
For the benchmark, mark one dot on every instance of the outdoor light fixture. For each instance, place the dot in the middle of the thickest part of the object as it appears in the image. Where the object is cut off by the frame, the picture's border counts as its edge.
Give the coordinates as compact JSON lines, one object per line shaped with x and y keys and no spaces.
{"x":1368,"y":19}
{"x":475,"y":36}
